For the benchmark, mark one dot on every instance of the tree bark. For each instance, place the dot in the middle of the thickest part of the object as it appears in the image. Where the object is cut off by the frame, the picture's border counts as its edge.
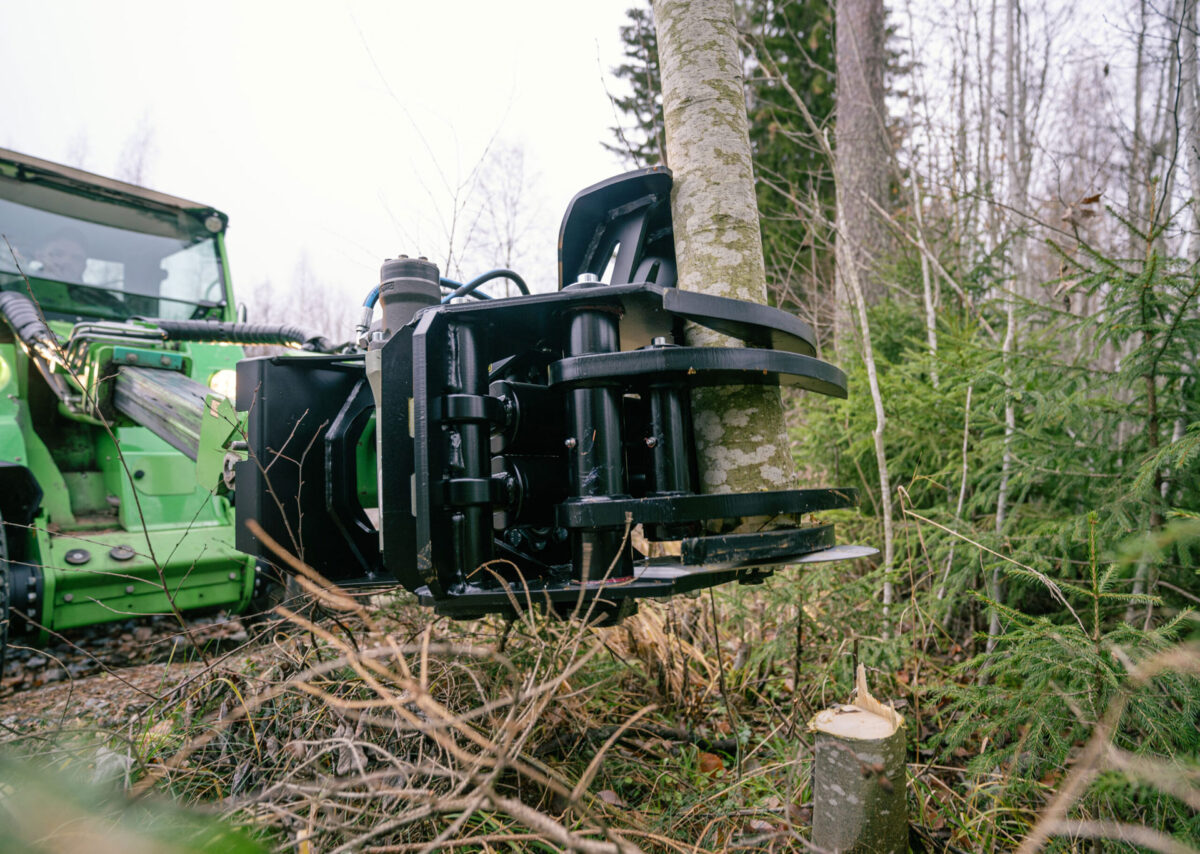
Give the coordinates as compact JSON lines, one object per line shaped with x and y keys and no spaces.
{"x":1017,"y":152}
{"x":858,"y":785}
{"x":863,"y":148}
{"x":741,"y":437}
{"x":1191,"y":117}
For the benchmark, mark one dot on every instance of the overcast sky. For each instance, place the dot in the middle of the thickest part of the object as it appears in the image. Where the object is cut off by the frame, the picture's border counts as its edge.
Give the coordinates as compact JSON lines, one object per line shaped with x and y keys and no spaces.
{"x":334,"y":131}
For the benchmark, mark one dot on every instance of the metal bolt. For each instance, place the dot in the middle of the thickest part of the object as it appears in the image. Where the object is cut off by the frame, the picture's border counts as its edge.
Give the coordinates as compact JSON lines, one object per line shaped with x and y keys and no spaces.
{"x":570,"y":443}
{"x":233,"y":576}
{"x":131,"y":357}
{"x":129,"y":588}
{"x":165,"y":361}
{"x":32,"y":596}
{"x":587,"y":278}
{"x":651,"y":442}
{"x":67,"y":597}
{"x":660,"y":341}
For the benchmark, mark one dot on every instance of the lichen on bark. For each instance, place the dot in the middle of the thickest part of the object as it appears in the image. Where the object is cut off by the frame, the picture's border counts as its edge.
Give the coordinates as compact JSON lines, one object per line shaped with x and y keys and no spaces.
{"x":741,"y":435}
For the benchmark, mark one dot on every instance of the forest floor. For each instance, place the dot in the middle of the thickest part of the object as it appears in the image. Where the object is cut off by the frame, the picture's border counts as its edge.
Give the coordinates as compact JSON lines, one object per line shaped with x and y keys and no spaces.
{"x":316,"y":736}
{"x":107,"y":674}
{"x":382,"y":727}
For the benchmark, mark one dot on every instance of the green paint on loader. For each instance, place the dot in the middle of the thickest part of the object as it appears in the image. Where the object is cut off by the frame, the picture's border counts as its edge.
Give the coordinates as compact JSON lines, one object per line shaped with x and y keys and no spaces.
{"x":103,"y":520}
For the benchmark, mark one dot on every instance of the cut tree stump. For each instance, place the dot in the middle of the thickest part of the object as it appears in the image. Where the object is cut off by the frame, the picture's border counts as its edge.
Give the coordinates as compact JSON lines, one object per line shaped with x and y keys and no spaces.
{"x":858,"y":785}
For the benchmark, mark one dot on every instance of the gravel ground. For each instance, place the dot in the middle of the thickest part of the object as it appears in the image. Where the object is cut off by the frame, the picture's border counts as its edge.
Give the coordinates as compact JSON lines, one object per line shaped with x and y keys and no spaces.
{"x":106,"y":673}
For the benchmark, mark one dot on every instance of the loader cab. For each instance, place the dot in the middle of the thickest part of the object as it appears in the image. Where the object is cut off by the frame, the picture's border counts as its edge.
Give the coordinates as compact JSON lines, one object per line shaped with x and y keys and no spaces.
{"x":91,"y":248}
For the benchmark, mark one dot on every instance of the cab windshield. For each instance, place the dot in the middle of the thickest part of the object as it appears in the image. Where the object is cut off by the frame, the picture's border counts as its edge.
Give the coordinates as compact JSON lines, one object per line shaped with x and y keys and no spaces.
{"x":134,"y":263}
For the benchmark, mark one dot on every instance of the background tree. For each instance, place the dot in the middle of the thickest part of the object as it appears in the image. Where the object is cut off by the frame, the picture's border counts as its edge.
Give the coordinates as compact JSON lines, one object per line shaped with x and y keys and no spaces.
{"x":861,"y":141}
{"x":793,"y":180}
{"x":639,"y":131}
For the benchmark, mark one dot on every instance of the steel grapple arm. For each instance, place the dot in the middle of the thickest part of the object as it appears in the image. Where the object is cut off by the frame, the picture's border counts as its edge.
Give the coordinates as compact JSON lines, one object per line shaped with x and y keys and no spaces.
{"x":498,"y":454}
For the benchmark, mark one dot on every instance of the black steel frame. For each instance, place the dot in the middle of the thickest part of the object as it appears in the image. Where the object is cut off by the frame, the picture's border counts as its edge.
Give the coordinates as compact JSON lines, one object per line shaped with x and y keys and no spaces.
{"x":522,"y":440}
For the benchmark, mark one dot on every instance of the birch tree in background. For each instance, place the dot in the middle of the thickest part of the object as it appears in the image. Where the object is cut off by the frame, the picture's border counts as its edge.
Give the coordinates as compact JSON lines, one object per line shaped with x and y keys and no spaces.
{"x":741,"y":437}
{"x":1190,"y":95}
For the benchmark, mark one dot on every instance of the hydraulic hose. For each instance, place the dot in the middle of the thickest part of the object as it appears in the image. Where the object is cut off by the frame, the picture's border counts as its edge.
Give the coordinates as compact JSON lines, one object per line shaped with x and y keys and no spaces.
{"x":450,"y":284}
{"x":27,"y":324}
{"x":364,"y":322}
{"x":240,"y":333}
{"x":470,"y":286}
{"x":26,"y":321}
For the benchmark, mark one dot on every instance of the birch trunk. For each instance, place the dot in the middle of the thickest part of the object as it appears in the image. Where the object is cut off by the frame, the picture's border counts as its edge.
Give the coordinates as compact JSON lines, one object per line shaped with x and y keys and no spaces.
{"x":927,"y":286}
{"x":1191,"y":118}
{"x":1016,"y":145}
{"x":859,"y":777}
{"x":741,"y":436}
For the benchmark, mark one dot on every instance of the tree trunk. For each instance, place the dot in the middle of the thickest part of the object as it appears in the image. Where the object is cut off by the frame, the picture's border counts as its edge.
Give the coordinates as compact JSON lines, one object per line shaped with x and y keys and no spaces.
{"x":1190,"y":95}
{"x":1017,"y":153}
{"x":861,"y":169}
{"x":741,"y":437}
{"x":858,"y":781}
{"x":863,"y":149}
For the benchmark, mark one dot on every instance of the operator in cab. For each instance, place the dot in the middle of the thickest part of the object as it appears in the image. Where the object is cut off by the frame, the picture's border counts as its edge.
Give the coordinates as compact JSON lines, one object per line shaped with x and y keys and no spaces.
{"x":62,"y":257}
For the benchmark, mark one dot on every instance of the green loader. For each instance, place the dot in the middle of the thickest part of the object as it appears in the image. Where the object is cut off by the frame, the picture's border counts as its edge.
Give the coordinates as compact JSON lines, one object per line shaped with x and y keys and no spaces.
{"x":104,"y":517}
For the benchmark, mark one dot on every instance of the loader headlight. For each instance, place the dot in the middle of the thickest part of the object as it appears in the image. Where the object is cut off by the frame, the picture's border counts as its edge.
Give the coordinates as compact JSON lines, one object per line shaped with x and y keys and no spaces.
{"x":224,"y":382}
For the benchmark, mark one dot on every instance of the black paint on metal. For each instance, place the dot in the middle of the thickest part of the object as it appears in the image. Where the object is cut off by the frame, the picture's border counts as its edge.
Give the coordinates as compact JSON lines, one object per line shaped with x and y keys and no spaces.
{"x":701,"y":366}
{"x":747,"y":549}
{"x":595,"y":438}
{"x":623,"y":221}
{"x":341,"y":479}
{"x":291,"y":403}
{"x":736,"y":505}
{"x":520,"y":440}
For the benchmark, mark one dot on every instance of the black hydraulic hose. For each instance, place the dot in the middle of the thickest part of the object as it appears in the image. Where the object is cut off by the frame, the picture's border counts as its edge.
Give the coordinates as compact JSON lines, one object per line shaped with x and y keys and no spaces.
{"x":240,"y":333}
{"x":21,"y":313}
{"x":26,"y":321}
{"x":487,"y":277}
{"x":450,"y":284}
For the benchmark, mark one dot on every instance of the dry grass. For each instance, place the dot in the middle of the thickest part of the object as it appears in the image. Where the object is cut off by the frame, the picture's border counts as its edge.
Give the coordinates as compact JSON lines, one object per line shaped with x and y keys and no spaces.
{"x":381,"y":728}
